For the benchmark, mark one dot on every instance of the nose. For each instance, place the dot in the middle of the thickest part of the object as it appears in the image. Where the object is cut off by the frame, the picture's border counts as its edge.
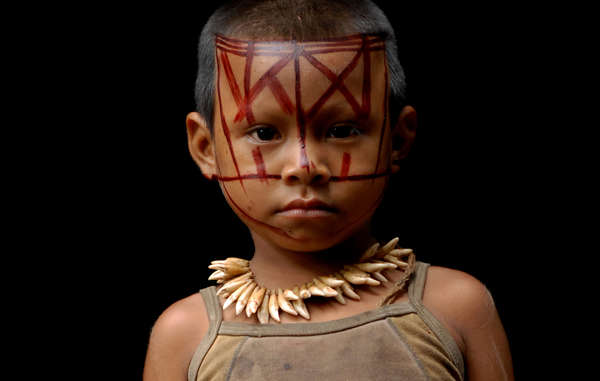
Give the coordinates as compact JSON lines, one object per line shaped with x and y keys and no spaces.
{"x":303,"y":170}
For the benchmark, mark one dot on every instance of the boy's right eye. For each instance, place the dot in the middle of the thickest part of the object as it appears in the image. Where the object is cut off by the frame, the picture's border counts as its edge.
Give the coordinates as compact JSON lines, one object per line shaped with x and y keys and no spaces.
{"x":264,"y":134}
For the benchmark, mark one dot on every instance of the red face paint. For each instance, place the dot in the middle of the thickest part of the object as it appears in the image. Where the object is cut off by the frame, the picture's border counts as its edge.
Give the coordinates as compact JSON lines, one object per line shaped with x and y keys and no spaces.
{"x":291,"y":66}
{"x":362,"y":45}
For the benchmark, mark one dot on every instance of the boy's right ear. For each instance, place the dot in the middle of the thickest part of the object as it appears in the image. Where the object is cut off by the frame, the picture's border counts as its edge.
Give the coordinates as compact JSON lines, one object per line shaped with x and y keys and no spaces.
{"x":200,"y":144}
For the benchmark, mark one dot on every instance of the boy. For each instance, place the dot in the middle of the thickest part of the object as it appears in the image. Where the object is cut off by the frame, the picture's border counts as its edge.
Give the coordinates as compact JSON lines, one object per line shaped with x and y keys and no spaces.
{"x":301,"y":119}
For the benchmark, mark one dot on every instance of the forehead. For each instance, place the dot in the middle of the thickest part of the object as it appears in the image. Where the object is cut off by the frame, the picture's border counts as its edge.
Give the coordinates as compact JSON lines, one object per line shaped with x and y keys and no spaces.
{"x":310,"y":71}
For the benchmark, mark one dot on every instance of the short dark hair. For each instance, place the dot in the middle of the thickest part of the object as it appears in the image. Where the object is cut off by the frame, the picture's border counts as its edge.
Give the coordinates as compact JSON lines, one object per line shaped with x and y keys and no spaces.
{"x":299,"y":20}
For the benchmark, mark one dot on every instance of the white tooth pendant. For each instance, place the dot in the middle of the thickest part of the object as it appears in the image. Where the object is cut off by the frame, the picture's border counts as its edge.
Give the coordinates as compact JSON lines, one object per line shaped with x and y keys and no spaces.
{"x":284,"y":304}
{"x":301,"y":308}
{"x":255,"y":301}
{"x":238,"y":285}
{"x":263,"y":311}
{"x":274,"y":307}
{"x":244,"y":297}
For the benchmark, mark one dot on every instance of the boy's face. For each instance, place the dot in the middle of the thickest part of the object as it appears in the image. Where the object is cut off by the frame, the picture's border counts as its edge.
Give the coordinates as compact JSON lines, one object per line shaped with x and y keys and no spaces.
{"x":302,"y":122}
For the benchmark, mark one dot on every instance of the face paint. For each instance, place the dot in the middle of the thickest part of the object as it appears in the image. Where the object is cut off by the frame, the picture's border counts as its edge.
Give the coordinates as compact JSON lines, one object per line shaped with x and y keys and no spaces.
{"x":307,"y":95}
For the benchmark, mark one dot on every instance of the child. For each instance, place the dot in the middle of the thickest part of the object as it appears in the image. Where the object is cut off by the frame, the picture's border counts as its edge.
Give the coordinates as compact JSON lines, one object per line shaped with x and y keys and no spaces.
{"x":301,"y":119}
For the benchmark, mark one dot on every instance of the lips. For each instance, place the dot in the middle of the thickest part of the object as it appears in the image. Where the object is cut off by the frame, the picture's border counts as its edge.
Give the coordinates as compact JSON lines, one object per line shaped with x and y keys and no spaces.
{"x":308,"y":205}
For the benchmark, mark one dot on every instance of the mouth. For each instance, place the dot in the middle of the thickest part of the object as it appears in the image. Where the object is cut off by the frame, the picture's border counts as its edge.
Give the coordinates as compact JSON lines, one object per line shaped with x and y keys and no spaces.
{"x":312,"y":208}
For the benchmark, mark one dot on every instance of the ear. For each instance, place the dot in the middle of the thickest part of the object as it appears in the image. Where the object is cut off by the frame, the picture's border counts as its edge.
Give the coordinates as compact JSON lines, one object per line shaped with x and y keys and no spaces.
{"x":403,"y":136}
{"x":200,"y":144}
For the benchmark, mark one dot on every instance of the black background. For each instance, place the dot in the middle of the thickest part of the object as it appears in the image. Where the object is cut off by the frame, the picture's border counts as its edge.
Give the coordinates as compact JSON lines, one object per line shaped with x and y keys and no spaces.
{"x":135,"y":224}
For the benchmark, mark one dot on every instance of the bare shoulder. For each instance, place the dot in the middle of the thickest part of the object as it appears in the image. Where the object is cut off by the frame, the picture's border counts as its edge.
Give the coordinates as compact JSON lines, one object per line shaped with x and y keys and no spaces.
{"x":466,"y":308}
{"x":174,"y":338}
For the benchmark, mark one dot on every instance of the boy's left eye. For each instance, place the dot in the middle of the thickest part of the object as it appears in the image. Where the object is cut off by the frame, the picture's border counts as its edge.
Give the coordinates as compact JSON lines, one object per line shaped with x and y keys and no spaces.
{"x":342,"y":131}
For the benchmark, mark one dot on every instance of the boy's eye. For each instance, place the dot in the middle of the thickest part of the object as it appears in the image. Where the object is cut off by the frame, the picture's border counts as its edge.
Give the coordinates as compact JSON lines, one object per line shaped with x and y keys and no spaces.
{"x":342,"y":131}
{"x":264,"y":134}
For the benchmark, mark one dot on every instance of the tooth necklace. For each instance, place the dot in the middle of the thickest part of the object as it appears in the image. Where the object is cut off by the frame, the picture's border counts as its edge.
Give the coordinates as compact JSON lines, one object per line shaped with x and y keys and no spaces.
{"x":238,"y":284}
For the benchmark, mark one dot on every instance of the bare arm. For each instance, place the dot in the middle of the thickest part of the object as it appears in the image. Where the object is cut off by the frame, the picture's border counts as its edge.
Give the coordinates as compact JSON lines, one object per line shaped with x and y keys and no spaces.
{"x":466,"y":308}
{"x":174,"y":338}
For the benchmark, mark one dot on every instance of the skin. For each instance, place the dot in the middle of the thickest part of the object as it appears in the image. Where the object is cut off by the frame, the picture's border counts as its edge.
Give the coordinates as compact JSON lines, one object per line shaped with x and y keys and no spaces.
{"x":291,"y":250}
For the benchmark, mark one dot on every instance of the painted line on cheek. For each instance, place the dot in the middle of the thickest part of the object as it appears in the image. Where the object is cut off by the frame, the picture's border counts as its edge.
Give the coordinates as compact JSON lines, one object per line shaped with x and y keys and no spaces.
{"x":345,"y":165}
{"x":270,"y":227}
{"x":371,"y":209}
{"x":260,"y":164}
{"x":370,"y":176}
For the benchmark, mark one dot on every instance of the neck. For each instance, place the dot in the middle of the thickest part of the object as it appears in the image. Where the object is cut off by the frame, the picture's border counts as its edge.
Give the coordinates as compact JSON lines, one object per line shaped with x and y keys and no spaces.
{"x":275,"y":267}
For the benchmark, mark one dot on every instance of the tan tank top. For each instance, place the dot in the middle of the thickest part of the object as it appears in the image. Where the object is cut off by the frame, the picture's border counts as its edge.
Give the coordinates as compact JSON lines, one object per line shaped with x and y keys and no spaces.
{"x":401,"y":341}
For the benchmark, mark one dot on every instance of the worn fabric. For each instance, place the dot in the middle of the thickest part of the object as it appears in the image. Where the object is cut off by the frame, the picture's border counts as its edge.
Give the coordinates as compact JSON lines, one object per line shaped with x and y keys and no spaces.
{"x":401,"y":341}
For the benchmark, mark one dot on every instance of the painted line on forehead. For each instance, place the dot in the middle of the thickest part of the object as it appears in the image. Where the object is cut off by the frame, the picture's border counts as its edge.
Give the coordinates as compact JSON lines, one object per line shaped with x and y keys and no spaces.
{"x":385,"y":114}
{"x":225,"y":127}
{"x":260,"y":164}
{"x":278,"y":53}
{"x":263,"y":81}
{"x":333,"y":78}
{"x":235,"y":90}
{"x":356,"y":38}
{"x":335,"y":85}
{"x":366,"y":95}
{"x":300,"y":116}
{"x":247,"y":72}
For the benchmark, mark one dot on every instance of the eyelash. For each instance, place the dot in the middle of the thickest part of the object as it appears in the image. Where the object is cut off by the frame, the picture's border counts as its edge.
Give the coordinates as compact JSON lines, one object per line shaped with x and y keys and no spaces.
{"x":253,"y":134}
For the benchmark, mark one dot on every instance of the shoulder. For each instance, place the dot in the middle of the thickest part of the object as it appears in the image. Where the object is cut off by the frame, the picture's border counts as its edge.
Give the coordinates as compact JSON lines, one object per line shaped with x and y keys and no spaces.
{"x":465,"y":306}
{"x":174,"y":338}
{"x":459,"y":300}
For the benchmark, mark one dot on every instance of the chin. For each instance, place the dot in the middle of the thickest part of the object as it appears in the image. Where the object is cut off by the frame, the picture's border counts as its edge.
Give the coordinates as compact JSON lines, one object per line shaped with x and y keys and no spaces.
{"x":304,"y":239}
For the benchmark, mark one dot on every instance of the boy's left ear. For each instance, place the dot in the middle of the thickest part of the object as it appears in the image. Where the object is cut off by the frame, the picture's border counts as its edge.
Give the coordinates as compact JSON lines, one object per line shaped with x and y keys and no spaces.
{"x":403,"y":136}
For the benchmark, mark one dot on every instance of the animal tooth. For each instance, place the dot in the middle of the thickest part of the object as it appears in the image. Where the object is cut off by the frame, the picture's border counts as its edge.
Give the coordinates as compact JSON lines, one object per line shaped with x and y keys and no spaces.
{"x":388,"y":246}
{"x":301,"y":308}
{"x":371,"y":251}
{"x":234,"y":283}
{"x":331,"y":281}
{"x":290,"y":295}
{"x":372,"y":282}
{"x":238,"y":261}
{"x":314,"y":290}
{"x":327,"y":291}
{"x":347,"y":289}
{"x":304,"y":292}
{"x":379,"y":276}
{"x":236,"y":294}
{"x":353,"y":278}
{"x":255,"y":300}
{"x":274,"y":307}
{"x":284,"y":304}
{"x":217,"y":275}
{"x":339,"y":297}
{"x":371,"y":266}
{"x":400,"y":252}
{"x":263,"y":311}
{"x":243,"y":299}
{"x":396,"y":261}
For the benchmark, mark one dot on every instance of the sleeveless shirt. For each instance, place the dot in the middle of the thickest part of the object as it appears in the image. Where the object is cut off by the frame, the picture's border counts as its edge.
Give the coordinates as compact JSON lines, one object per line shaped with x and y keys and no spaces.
{"x":401,"y":341}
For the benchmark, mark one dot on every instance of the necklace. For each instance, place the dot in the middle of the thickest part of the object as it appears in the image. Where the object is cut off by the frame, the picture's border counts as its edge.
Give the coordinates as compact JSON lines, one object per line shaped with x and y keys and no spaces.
{"x":238,"y":284}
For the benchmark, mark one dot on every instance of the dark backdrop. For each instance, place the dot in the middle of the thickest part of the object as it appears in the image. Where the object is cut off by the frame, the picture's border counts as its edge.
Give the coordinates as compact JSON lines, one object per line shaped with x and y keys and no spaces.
{"x":140,"y":223}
